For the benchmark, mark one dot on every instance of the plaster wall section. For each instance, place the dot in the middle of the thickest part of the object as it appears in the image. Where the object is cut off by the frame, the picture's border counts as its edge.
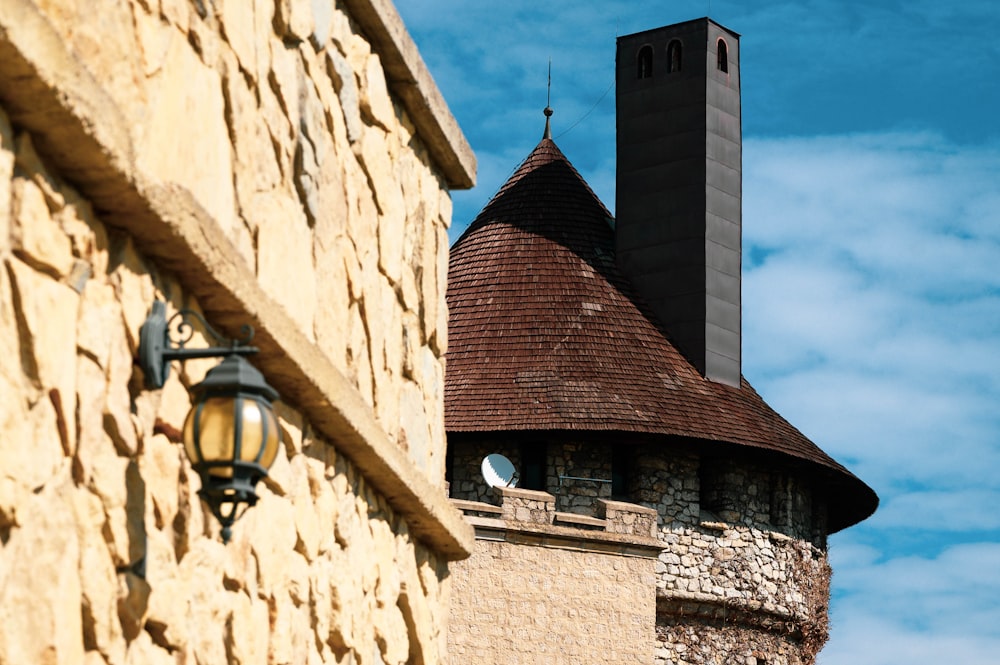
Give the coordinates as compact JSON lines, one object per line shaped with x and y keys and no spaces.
{"x":520,"y":604}
{"x":554,"y":587}
{"x":107,"y":555}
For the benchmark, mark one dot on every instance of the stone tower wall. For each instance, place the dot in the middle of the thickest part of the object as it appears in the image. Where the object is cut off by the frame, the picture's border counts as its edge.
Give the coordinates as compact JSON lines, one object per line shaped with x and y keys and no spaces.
{"x":576,"y":473}
{"x":745,"y":582}
{"x":250,"y":160}
{"x":742,"y":572}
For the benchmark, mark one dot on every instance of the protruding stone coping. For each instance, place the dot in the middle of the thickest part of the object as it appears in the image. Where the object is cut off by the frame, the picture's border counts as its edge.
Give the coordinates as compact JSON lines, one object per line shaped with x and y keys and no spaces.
{"x":582,"y":521}
{"x":476,"y":507}
{"x":734,"y":610}
{"x":529,"y":517}
{"x":624,"y":517}
{"x":408,"y":77}
{"x":47,"y":90}
{"x":520,"y":505}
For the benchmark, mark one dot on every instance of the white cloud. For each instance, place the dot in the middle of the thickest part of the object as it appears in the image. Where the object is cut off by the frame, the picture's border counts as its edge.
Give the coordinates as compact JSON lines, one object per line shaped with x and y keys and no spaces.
{"x":943,"y":510}
{"x":872,"y":322}
{"x":873,"y":316}
{"x":864,"y":638}
{"x":916,"y":610}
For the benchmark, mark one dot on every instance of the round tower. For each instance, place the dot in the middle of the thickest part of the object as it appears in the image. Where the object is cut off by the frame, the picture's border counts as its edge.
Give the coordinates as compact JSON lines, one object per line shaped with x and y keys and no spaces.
{"x":558,"y":360}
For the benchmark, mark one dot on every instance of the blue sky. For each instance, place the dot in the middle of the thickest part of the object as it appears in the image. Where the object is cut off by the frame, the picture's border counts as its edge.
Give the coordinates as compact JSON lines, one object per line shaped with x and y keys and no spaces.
{"x":871,"y":283}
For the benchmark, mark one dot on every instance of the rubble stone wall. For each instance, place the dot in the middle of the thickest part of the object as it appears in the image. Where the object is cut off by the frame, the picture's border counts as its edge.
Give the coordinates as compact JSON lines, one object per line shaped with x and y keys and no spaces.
{"x":270,"y":129}
{"x":466,"y":458}
{"x":585,"y":469}
{"x":739,"y":570}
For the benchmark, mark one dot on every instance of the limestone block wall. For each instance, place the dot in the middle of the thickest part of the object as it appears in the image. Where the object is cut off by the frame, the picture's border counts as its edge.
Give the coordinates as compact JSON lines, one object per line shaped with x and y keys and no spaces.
{"x":254,"y":161}
{"x":108,"y":555}
{"x":276,"y":116}
{"x":534,"y":591}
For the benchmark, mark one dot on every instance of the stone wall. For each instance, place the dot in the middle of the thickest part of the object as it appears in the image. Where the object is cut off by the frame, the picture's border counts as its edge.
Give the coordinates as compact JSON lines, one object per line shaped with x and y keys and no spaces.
{"x":553,"y":587}
{"x":742,"y":568}
{"x":248,"y":160}
{"x":739,"y":574}
{"x":577,"y":474}
{"x":550,"y":605}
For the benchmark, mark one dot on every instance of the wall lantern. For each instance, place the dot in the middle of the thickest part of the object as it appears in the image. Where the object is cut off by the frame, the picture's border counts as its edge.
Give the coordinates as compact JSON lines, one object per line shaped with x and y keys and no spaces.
{"x":231,"y":434}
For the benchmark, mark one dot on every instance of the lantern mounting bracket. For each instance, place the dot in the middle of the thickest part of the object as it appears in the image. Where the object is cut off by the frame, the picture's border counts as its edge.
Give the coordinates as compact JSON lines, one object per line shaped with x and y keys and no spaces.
{"x":156,"y":351}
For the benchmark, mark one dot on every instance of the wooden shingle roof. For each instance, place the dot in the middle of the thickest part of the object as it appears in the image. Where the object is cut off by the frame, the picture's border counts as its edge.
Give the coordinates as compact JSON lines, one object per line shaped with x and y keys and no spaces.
{"x":546,"y":333}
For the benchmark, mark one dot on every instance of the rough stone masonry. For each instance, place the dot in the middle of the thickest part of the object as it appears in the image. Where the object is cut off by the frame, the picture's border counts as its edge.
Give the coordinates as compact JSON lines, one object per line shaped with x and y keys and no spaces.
{"x":253,"y":160}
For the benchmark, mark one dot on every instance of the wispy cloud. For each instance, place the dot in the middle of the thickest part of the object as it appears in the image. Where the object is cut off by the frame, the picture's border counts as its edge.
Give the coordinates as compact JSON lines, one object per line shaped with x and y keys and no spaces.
{"x":913,"y":609}
{"x":872,"y":321}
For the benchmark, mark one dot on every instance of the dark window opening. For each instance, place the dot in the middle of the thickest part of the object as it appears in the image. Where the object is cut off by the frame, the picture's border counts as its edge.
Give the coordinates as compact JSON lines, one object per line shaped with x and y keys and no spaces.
{"x":717,"y":500}
{"x":621,"y":469}
{"x":449,"y":466}
{"x":533,"y":466}
{"x":645,"y":62}
{"x":674,"y":55}
{"x":723,"y":56}
{"x":781,"y":500}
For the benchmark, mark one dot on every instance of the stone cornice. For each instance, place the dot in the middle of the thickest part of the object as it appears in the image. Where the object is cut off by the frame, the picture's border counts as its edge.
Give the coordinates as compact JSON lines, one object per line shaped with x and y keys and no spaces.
{"x":674,"y":605}
{"x":564,"y":531}
{"x":564,"y":537}
{"x":410,"y":80}
{"x":79,"y":130}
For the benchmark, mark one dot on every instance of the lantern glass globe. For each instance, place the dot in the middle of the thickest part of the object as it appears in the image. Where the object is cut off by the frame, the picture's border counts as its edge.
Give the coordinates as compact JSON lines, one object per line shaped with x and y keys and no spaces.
{"x":220,"y":442}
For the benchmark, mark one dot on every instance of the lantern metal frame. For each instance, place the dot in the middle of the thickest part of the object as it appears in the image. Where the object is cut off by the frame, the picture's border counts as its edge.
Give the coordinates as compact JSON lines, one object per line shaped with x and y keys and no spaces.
{"x":234,"y":378}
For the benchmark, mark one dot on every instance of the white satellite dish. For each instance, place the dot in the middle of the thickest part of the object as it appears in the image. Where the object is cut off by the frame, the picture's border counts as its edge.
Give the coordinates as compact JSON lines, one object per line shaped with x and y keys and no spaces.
{"x":498,"y":471}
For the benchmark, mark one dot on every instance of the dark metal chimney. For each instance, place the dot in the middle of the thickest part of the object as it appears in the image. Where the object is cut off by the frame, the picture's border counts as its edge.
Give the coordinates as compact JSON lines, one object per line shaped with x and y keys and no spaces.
{"x":678,"y":209}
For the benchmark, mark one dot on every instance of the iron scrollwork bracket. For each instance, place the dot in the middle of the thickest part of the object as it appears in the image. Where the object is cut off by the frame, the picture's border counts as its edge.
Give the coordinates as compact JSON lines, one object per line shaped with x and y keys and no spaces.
{"x":156,"y":352}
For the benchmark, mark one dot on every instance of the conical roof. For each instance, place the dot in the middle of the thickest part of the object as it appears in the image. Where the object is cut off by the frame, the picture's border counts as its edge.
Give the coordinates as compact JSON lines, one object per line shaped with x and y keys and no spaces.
{"x":546,"y":333}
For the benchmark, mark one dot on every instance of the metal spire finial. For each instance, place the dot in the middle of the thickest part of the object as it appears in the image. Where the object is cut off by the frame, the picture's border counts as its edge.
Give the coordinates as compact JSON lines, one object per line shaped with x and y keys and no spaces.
{"x":548,"y":105}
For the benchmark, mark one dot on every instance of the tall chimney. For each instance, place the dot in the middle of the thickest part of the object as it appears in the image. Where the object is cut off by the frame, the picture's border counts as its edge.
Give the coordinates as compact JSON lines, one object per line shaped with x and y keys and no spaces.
{"x":678,"y":209}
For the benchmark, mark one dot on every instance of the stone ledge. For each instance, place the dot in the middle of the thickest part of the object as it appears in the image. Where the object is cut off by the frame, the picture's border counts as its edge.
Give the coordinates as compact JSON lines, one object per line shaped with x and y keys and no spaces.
{"x":562,"y":537}
{"x":518,"y":493}
{"x":485,"y":522}
{"x":46,"y":91}
{"x":580,"y":520}
{"x":626,"y":507}
{"x":476,"y":506}
{"x":409,"y":78}
{"x":684,"y":605}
